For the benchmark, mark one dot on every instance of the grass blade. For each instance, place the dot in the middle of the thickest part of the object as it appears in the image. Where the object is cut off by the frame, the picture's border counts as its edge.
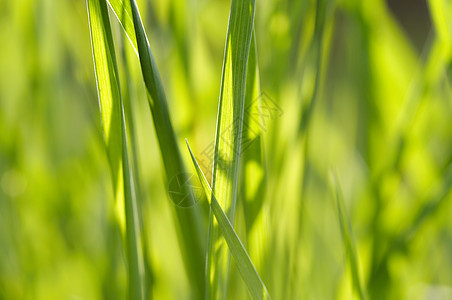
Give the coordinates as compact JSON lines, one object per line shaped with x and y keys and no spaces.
{"x":123,"y":12}
{"x":190,"y":232}
{"x":244,"y":264}
{"x":253,"y":170}
{"x":348,"y":240}
{"x":113,"y":118}
{"x":229,"y":137}
{"x":127,"y":96}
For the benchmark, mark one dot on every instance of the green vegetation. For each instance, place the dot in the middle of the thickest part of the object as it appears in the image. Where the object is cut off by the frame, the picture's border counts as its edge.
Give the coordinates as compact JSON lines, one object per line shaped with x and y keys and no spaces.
{"x":101,"y":199}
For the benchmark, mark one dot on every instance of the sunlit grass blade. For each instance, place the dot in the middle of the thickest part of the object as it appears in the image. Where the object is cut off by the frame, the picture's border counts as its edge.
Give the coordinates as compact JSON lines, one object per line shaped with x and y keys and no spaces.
{"x":349,"y":243}
{"x":190,"y":232}
{"x":123,"y":12}
{"x":114,"y":127}
{"x":244,"y":264}
{"x":131,"y":133}
{"x":253,"y":177}
{"x":133,"y":232}
{"x":228,"y":138}
{"x":440,"y":11}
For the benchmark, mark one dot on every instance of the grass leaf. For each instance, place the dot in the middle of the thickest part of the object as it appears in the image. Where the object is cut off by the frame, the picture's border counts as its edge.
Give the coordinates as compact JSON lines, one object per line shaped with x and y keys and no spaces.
{"x":253,"y":177}
{"x":123,"y":12}
{"x":229,"y":137}
{"x":190,"y":232}
{"x":113,"y":120}
{"x":244,"y":264}
{"x":127,"y":96}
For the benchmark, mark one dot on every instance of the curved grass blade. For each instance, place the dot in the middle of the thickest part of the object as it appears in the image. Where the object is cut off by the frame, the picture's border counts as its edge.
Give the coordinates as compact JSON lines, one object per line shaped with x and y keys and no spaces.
{"x":190,"y":231}
{"x":349,"y":243}
{"x":250,"y":276}
{"x":113,"y":121}
{"x":229,"y":138}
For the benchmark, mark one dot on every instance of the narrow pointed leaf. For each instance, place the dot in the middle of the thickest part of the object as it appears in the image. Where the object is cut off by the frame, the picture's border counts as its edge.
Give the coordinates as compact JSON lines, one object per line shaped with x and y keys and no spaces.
{"x":113,"y":121}
{"x":123,"y":12}
{"x":228,"y":139}
{"x":253,"y":174}
{"x":244,"y":264}
{"x":127,"y":96}
{"x":190,"y":232}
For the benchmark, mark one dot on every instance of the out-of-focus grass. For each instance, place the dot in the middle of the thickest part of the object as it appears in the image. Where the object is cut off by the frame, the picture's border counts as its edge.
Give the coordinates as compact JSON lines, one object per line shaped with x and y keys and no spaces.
{"x":381,"y":119}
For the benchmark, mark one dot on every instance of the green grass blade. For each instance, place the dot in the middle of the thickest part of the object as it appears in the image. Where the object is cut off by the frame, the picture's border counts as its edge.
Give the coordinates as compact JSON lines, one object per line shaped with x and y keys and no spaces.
{"x":134,"y":158}
{"x":134,"y":238}
{"x":253,"y":170}
{"x":255,"y":285}
{"x":123,"y":12}
{"x":253,"y":174}
{"x":190,"y":231}
{"x":109,"y":96}
{"x":115,"y":134}
{"x":131,"y":22}
{"x":440,"y":11}
{"x":229,"y":137}
{"x":348,"y":240}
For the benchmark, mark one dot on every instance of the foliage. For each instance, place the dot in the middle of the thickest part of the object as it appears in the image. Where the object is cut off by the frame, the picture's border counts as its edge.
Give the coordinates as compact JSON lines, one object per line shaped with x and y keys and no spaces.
{"x":98,"y":195}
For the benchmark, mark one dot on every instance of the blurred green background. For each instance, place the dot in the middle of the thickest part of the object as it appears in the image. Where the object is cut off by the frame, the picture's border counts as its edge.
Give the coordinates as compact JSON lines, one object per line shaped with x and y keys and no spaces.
{"x":380,"y":75}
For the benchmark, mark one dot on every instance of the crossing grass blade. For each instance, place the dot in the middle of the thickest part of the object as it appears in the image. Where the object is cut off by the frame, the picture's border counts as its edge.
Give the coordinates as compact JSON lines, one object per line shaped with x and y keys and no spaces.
{"x":114,"y":127}
{"x":229,"y":138}
{"x":190,"y":232}
{"x":123,"y":12}
{"x":348,"y":240}
{"x":255,"y":285}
